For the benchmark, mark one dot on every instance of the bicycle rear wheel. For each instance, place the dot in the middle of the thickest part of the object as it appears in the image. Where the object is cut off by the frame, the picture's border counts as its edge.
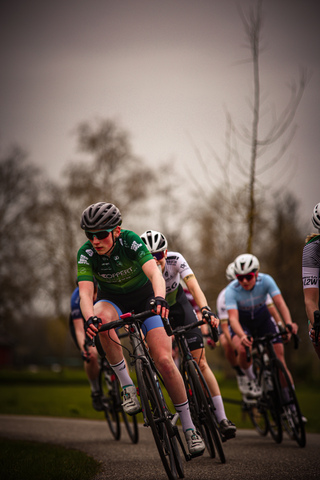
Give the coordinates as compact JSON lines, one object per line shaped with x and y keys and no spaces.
{"x":154,"y":413}
{"x":206,"y":413}
{"x":109,"y":387}
{"x":259,"y":418}
{"x":291,"y":415}
{"x":131,"y":425}
{"x":270,"y":403}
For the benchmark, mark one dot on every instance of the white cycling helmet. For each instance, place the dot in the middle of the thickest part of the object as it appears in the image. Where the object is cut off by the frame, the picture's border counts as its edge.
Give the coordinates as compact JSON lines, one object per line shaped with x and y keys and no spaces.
{"x":155,"y":241}
{"x":316,"y":216}
{"x":246,"y":263}
{"x":230,"y":274}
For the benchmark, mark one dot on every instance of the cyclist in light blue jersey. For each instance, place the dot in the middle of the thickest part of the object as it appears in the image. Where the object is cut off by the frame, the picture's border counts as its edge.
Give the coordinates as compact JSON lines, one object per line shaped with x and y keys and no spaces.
{"x":248,"y":313}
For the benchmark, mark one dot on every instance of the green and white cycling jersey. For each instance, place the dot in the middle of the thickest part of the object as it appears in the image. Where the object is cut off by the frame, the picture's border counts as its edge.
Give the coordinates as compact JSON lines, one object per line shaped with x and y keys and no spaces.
{"x":119,"y":273}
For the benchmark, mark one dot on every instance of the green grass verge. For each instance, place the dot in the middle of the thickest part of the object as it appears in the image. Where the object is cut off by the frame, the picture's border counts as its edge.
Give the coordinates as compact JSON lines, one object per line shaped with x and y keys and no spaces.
{"x":67,"y":394}
{"x":22,"y":460}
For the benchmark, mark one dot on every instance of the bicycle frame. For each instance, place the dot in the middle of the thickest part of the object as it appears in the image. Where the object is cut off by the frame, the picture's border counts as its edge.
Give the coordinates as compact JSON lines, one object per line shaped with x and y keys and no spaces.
{"x":156,"y":413}
{"x":199,"y":396}
{"x":278,"y":396}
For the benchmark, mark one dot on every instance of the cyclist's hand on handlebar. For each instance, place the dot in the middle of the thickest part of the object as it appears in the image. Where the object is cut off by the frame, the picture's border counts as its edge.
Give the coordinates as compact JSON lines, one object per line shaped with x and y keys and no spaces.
{"x":85,"y":356}
{"x":159,"y":306}
{"x":292,"y":328}
{"x":91,"y":326}
{"x":211,"y":343}
{"x":245,"y":340}
{"x":209,"y":317}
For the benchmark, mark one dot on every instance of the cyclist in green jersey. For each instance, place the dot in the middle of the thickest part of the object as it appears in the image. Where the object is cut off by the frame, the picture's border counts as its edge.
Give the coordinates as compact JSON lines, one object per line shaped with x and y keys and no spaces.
{"x":128,"y":279}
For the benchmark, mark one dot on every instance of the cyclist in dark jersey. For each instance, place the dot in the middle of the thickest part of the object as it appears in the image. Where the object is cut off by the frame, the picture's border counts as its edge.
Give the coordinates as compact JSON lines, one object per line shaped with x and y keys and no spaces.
{"x":175,"y":267}
{"x":89,"y":355}
{"x":310,"y":276}
{"x":128,"y":279}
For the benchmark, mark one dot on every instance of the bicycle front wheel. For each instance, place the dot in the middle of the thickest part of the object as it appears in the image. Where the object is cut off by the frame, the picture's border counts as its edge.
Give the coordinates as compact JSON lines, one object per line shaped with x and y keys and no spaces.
{"x":153,"y":411}
{"x":256,"y":412}
{"x":131,"y":425}
{"x":290,"y":415}
{"x":206,"y":410}
{"x":112,"y":406}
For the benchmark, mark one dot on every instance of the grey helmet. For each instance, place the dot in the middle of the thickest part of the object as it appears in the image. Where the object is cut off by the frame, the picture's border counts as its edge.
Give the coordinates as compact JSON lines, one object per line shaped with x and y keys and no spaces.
{"x":155,"y":241}
{"x":246,"y":263}
{"x":101,"y":216}
{"x":316,"y":216}
{"x":230,"y":274}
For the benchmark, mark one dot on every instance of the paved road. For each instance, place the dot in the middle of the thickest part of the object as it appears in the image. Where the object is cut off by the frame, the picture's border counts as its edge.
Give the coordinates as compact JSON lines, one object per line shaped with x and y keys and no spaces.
{"x":249,"y":456}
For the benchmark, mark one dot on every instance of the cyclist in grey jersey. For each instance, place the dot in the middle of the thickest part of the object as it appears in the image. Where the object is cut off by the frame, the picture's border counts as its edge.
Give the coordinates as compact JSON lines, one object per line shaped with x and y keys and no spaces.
{"x":128,"y":279}
{"x":174,"y":267}
{"x":310,"y":275}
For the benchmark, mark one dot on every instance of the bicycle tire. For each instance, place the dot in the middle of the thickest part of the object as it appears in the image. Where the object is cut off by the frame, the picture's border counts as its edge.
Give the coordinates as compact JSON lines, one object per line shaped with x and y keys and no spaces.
{"x":113,"y":403}
{"x":194,"y":405}
{"x":152,"y":407}
{"x":211,"y":424}
{"x":291,"y":415}
{"x":131,"y":424}
{"x":258,"y":417}
{"x":257,"y":414}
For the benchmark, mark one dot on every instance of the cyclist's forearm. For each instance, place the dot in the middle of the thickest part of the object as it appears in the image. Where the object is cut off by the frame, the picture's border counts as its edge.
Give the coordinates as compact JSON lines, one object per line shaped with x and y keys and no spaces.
{"x":311,"y":300}
{"x":79,"y":331}
{"x":195,"y":290}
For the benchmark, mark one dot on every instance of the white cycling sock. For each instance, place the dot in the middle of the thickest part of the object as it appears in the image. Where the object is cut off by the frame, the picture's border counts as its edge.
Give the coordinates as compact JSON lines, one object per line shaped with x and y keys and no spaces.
{"x":185,"y":417}
{"x":219,"y":408}
{"x":121,"y":371}
{"x":249,"y":373}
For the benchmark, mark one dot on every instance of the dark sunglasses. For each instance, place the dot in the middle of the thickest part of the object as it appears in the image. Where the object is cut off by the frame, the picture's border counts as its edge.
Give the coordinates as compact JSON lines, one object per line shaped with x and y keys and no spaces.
{"x":158,"y":255}
{"x":248,"y":277}
{"x":99,"y":235}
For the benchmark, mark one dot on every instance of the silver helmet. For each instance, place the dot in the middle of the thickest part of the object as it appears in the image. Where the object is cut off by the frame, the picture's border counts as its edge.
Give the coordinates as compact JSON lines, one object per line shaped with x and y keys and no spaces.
{"x":101,"y":216}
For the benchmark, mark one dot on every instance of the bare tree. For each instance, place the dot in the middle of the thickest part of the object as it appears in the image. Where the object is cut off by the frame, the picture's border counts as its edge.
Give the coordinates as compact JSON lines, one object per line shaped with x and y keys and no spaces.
{"x":281,"y":131}
{"x":253,"y":151}
{"x":19,"y":196}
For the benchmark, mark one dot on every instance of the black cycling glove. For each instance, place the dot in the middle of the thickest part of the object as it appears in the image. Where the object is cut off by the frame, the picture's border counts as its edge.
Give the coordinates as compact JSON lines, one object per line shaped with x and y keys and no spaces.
{"x":207,"y":315}
{"x":95,"y":321}
{"x":154,"y":302}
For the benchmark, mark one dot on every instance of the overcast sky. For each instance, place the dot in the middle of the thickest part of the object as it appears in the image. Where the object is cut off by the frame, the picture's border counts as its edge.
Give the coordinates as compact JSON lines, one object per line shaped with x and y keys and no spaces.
{"x":164,"y":70}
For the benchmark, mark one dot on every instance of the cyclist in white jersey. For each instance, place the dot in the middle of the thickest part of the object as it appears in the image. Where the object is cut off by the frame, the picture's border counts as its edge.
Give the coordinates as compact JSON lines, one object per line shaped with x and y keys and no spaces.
{"x":174,"y":267}
{"x":310,"y":276}
{"x":248,"y":314}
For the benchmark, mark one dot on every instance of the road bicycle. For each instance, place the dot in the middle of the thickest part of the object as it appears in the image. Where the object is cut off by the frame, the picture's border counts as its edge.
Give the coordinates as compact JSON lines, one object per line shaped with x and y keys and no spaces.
{"x":200,"y":400}
{"x":112,"y":403}
{"x":277,"y":409}
{"x":155,"y":410}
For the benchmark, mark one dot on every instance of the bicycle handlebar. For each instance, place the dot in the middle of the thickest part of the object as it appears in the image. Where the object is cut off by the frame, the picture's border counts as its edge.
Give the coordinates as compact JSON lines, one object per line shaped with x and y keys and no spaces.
{"x":126,"y":319}
{"x":270,"y":336}
{"x":184,"y":328}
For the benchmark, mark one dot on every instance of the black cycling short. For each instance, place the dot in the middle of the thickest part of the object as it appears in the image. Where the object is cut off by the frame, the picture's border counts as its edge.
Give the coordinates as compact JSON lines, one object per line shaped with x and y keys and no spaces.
{"x":182,"y":313}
